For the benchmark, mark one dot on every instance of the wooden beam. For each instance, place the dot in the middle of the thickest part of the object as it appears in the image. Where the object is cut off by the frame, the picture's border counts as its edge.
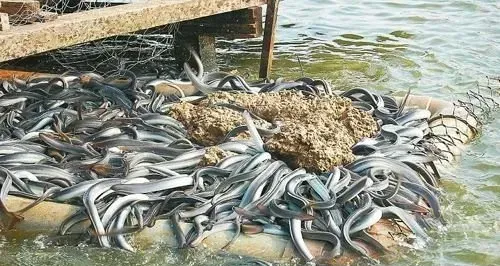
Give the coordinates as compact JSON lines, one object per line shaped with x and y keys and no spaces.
{"x":228,"y":31}
{"x":266,"y":60}
{"x":240,"y":24}
{"x":4,"y":22}
{"x":20,"y":7}
{"x":95,"y":24}
{"x":208,"y":55}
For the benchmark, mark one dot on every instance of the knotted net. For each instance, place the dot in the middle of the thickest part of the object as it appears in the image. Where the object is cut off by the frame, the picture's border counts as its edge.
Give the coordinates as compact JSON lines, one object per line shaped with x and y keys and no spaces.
{"x":149,"y":50}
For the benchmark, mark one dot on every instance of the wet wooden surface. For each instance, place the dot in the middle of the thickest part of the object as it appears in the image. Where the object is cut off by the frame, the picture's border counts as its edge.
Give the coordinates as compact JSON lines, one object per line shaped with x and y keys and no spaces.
{"x":70,"y":29}
{"x":207,"y":52}
{"x":240,"y":24}
{"x":269,"y":35}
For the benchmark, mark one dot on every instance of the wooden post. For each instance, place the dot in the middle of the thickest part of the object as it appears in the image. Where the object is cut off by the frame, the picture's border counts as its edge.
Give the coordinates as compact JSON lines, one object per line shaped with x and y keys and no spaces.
{"x":204,"y":45}
{"x":206,"y":50}
{"x":4,"y":22}
{"x":266,"y":60}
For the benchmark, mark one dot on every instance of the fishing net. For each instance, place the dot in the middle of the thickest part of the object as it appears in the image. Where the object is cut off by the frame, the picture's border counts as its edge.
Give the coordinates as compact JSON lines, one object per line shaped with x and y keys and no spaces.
{"x":144,"y":51}
{"x":455,"y":126}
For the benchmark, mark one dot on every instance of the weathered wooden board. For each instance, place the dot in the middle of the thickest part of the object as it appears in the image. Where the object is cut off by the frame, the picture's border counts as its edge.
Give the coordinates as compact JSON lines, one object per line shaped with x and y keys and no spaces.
{"x":229,"y":31}
{"x":95,"y":24}
{"x":266,"y":60}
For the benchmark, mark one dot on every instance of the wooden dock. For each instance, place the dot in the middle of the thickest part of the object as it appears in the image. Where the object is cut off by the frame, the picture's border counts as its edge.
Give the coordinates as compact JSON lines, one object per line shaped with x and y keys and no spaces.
{"x":80,"y":27}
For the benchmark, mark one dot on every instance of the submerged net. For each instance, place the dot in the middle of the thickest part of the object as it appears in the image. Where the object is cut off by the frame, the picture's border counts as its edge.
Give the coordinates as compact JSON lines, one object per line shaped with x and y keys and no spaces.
{"x":147,"y":50}
{"x":455,"y":126}
{"x":484,"y":100}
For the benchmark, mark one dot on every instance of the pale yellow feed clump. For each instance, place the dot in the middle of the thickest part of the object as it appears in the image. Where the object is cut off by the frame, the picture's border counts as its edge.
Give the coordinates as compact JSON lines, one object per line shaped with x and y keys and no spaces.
{"x":316,"y":133}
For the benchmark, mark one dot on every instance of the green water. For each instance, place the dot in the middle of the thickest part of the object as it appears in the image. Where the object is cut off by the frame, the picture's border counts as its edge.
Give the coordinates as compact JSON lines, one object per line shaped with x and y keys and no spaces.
{"x":437,"y":48}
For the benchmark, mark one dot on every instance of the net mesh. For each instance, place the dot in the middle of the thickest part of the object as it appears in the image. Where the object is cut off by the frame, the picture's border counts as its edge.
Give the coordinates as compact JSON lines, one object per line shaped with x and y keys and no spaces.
{"x":146,"y":49}
{"x":454,"y":128}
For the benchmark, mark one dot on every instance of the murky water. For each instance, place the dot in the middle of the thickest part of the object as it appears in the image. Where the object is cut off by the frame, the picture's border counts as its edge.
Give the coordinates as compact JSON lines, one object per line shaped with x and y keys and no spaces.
{"x":437,"y":48}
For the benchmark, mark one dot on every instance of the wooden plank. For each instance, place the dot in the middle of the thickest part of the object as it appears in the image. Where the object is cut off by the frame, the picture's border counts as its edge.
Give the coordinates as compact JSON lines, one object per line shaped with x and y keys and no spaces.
{"x":4,"y":22}
{"x":230,"y":31}
{"x":268,"y":43}
{"x":95,"y":24}
{"x":20,"y":7}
